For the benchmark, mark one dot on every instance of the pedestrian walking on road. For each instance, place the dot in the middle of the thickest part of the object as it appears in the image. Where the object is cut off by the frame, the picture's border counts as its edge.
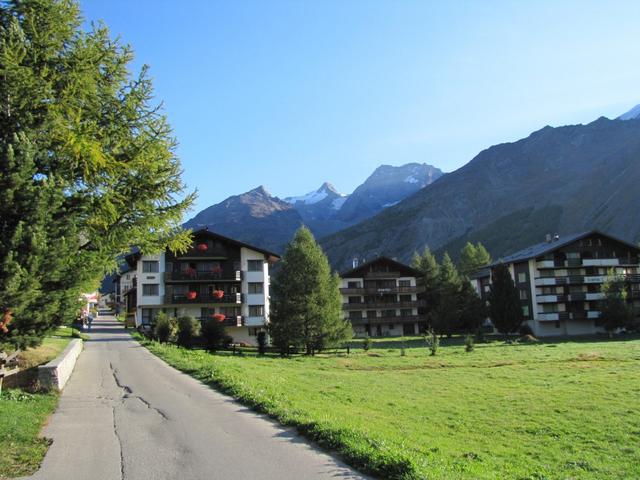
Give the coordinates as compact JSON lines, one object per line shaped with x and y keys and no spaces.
{"x":89,"y":321}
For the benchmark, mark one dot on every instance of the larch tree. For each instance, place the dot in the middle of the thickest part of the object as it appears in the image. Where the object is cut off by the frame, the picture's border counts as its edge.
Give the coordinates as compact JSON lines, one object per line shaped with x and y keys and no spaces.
{"x":306,"y":310}
{"x":87,"y":164}
{"x":473,"y":257}
{"x":446,"y":311}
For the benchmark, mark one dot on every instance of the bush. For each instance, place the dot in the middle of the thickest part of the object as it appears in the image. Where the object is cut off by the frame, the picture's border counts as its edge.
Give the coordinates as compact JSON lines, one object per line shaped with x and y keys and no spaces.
{"x":262,"y":343}
{"x":188,"y":329}
{"x":214,"y":335}
{"x":367,"y":343}
{"x":469,"y":343}
{"x":525,"y":330}
{"x":432,"y":340}
{"x":165,"y":327}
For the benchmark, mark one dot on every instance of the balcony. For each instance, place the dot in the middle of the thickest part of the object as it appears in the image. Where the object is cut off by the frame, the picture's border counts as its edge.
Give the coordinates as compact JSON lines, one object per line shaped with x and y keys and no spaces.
{"x":203,"y":276}
{"x":375,"y":290}
{"x":551,"y":298}
{"x":178,"y":299}
{"x":255,"y":322}
{"x":209,"y":253}
{"x":381,"y":275}
{"x":383,"y":305}
{"x":229,"y":321}
{"x":577,"y":297}
{"x":594,"y":296}
{"x":545,"y":264}
{"x":549,"y":317}
{"x":600,"y":262}
{"x":593,"y":314}
{"x":394,"y":319}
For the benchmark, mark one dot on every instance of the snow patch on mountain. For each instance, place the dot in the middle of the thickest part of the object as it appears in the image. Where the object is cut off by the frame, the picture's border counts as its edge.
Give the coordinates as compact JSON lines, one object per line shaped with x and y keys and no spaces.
{"x":386,"y":205}
{"x":308,"y":199}
{"x":411,"y":179}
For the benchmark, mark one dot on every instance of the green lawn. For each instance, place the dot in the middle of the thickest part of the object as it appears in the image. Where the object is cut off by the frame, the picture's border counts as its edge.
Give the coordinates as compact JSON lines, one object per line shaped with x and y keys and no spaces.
{"x":538,"y":411}
{"x":23,"y":414}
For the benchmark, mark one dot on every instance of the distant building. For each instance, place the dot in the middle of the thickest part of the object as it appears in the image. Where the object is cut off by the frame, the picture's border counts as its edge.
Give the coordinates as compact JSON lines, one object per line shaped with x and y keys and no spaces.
{"x":560,"y":280}
{"x":380,"y":298}
{"x":218,"y":277}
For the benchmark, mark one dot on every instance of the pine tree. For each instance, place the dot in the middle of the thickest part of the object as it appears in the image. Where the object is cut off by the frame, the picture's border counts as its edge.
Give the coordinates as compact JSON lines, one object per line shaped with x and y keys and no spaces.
{"x":446,"y":312}
{"x":504,"y":301}
{"x":473,"y":311}
{"x":615,"y":312}
{"x":473,"y":257}
{"x":87,"y":164}
{"x":307,"y":305}
{"x":428,"y":266}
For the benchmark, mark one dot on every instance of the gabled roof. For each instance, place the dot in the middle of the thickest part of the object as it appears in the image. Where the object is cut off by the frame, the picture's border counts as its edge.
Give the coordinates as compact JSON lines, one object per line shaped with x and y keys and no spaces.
{"x":211,"y":234}
{"x":401,"y":267}
{"x":545,"y":247}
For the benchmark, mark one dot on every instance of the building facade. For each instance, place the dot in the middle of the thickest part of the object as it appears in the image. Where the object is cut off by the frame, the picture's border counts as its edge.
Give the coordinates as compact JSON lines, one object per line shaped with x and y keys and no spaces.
{"x":559,"y":280}
{"x":217,"y":278}
{"x":380,"y":298}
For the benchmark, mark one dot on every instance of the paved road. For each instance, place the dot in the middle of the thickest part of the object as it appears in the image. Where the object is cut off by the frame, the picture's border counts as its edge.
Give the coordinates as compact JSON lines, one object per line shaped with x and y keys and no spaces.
{"x":125,"y":414}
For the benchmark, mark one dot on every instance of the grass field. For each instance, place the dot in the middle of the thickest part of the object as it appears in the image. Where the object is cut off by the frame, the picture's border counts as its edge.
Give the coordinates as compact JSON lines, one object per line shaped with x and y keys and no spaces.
{"x":536,"y":411}
{"x":22,"y":414}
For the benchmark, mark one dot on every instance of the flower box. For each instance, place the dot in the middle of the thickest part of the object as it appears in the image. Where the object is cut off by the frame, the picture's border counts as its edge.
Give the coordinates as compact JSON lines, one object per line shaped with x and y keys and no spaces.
{"x":192,"y":295}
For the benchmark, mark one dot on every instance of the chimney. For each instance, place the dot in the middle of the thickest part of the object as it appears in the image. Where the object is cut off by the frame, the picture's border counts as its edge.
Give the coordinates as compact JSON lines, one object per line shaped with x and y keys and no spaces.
{"x":547,"y":238}
{"x":355,"y":262}
{"x":556,"y":237}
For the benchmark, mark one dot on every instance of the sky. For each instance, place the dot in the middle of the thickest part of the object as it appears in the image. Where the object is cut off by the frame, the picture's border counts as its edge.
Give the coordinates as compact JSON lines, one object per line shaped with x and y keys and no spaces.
{"x":288,"y":94}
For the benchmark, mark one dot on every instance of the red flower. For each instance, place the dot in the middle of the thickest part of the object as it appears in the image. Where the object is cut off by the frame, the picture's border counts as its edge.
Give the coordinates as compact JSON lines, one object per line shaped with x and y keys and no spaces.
{"x":192,"y":295}
{"x":218,"y":294}
{"x":219,"y":316}
{"x":203,"y":247}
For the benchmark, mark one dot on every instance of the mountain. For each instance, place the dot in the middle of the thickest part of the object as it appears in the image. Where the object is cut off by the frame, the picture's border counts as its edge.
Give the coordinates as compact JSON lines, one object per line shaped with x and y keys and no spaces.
{"x":254,"y":217}
{"x":318,"y":209}
{"x":258,"y":218}
{"x":385,"y":187}
{"x":558,"y":180}
{"x":632,"y":114}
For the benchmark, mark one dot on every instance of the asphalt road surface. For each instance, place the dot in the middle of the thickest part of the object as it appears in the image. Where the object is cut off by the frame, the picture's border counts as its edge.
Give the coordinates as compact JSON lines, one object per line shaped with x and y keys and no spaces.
{"x":125,"y":414}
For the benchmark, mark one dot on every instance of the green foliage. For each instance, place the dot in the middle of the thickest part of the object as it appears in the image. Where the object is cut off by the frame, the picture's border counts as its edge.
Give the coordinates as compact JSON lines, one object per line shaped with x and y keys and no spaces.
{"x":473,"y":310}
{"x":504,"y":301}
{"x":165,"y":327}
{"x":214,"y":335}
{"x":472,"y":257}
{"x":445,"y":307}
{"x":262,"y":342}
{"x":366,"y":344}
{"x":88,"y":164}
{"x":469,"y":343}
{"x":432,"y":340}
{"x":615,"y":311}
{"x":307,"y":305}
{"x":188,"y":330}
{"x":430,"y":270}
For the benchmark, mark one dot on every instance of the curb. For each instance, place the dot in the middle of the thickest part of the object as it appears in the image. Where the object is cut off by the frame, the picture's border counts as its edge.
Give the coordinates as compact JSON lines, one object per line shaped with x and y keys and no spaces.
{"x":55,"y":374}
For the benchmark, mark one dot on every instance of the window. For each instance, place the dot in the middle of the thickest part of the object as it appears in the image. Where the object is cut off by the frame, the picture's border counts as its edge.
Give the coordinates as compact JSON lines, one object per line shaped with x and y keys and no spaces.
{"x":523,"y":295}
{"x":371,"y":314}
{"x":354,"y":285}
{"x":150,"y":289}
{"x":405,"y":312}
{"x":525,"y":310}
{"x":150,"y":266}
{"x":557,"y":323}
{"x":355,"y":315}
{"x":256,"y":287}
{"x":404,"y":283}
{"x":522,"y":277}
{"x":148,"y":315}
{"x":256,"y":310}
{"x":388,"y":313}
{"x":405,"y":298}
{"x":254,"y":265}
{"x":354,"y":300}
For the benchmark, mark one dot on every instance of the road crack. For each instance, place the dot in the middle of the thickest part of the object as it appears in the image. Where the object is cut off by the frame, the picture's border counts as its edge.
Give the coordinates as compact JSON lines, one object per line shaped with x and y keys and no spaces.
{"x":128,"y":394}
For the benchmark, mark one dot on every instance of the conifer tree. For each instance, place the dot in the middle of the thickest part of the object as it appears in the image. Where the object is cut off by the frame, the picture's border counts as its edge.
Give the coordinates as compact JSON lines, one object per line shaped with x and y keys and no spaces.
{"x":87,"y":164}
{"x":504,"y":301}
{"x":306,"y":308}
{"x":472,"y":257}
{"x":446,"y":311}
{"x":615,"y":312}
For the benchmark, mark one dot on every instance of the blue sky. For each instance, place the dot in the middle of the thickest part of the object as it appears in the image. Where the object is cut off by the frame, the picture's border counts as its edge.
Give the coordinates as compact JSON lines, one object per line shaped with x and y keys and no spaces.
{"x":289,"y":94}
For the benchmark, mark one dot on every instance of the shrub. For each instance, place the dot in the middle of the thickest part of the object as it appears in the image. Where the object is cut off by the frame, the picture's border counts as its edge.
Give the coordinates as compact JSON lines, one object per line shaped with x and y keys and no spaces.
{"x":367,"y":343}
{"x":214,"y":335}
{"x":188,"y":329}
{"x":469,"y":343}
{"x":262,"y":343}
{"x":432,"y":340}
{"x":525,"y":330}
{"x":165,"y":327}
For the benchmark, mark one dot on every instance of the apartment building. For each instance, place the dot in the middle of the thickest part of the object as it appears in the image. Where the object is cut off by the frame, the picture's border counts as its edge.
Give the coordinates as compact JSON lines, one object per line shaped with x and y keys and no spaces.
{"x":218,"y":277}
{"x":559,"y":280}
{"x":380,"y":298}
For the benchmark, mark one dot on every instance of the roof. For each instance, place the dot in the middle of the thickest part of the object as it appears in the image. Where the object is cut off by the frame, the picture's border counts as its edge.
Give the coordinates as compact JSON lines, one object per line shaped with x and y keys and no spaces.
{"x":402,"y":268}
{"x":135,"y":255}
{"x":236,"y":242}
{"x":545,"y":247}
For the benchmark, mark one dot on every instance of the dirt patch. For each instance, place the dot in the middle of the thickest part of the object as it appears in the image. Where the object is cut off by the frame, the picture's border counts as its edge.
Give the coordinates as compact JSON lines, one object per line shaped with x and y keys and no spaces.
{"x":589,"y":357}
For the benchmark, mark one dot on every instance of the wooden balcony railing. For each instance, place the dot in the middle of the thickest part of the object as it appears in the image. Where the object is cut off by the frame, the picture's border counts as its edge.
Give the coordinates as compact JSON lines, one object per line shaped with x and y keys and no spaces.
{"x":172,"y":299}
{"x":200,"y":276}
